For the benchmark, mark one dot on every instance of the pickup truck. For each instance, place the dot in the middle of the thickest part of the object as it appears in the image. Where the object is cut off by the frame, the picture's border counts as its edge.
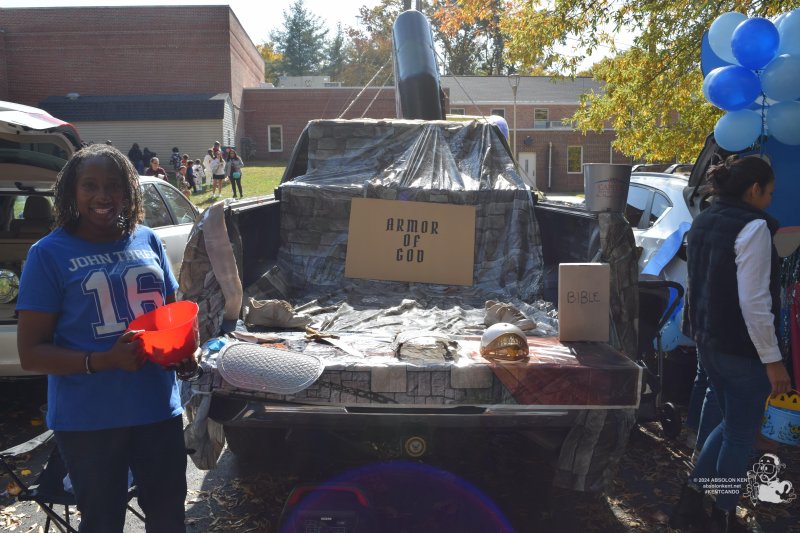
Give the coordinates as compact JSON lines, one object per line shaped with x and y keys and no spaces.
{"x":577,"y":399}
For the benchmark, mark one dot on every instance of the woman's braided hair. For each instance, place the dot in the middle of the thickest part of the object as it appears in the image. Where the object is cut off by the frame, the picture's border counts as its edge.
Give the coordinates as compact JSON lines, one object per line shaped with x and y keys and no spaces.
{"x":64,"y":189}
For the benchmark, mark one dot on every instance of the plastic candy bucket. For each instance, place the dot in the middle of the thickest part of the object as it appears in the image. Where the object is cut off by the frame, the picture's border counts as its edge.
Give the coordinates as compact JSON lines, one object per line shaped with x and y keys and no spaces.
{"x":781,"y":420}
{"x":171,"y":332}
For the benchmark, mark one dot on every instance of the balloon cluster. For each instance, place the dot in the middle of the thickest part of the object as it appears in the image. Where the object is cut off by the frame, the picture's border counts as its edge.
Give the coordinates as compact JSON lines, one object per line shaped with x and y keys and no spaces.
{"x":760,"y":84}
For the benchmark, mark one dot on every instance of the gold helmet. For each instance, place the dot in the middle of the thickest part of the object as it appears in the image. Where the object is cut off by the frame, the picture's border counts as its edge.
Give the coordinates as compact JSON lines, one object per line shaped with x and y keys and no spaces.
{"x":505,"y":342}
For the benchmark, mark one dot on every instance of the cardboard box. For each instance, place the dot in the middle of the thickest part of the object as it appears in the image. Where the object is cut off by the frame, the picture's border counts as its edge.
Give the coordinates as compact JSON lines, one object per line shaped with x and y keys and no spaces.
{"x":411,"y":241}
{"x":584,"y":292}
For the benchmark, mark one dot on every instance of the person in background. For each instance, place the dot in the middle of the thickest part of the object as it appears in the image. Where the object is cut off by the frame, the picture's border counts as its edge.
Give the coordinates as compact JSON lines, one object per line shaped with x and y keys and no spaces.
{"x":199,"y":173}
{"x":147,"y":155}
{"x":182,"y":181}
{"x":175,"y":159}
{"x":155,"y":169}
{"x":732,"y":312}
{"x":207,"y":164}
{"x":111,"y":410}
{"x":186,"y":162}
{"x":136,"y":157}
{"x":233,"y":168}
{"x":217,"y":171}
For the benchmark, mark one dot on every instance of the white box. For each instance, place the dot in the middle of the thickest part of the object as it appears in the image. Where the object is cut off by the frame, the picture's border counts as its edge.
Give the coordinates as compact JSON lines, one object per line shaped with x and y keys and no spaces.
{"x":584,"y":292}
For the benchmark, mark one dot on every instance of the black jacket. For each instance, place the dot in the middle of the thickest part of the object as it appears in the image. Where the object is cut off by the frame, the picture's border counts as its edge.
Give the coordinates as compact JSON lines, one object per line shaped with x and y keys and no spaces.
{"x":713,"y":315}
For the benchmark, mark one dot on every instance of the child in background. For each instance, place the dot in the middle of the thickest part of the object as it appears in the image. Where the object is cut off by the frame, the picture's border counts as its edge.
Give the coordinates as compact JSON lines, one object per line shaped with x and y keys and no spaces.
{"x":183,"y":181}
{"x":199,"y":173}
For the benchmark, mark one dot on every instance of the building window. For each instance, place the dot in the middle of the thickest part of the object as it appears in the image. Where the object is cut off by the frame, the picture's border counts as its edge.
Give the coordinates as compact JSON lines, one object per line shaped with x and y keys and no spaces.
{"x":275,"y":138}
{"x":456,"y":110}
{"x":499,"y":112}
{"x":574,"y":159}
{"x":541,"y":117}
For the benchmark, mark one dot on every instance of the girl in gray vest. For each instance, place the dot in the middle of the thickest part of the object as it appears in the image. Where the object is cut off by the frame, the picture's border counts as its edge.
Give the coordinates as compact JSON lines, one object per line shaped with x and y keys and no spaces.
{"x":732,"y":310}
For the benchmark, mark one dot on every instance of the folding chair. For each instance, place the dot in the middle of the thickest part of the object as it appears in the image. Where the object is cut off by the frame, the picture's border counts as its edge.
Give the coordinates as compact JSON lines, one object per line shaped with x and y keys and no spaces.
{"x":48,"y":489}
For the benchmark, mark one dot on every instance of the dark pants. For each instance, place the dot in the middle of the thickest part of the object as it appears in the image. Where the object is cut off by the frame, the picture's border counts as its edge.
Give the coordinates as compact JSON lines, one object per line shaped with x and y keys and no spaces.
{"x":234,"y":184}
{"x":98,"y":463}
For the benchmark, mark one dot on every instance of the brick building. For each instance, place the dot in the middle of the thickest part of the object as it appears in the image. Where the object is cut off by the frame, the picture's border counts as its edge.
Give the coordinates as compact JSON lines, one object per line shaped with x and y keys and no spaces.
{"x":548,"y":149}
{"x":133,"y":60}
{"x":130,"y":74}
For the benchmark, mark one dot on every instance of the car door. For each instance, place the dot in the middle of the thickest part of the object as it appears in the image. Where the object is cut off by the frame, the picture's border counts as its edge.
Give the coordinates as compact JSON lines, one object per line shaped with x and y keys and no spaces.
{"x":171,"y":216}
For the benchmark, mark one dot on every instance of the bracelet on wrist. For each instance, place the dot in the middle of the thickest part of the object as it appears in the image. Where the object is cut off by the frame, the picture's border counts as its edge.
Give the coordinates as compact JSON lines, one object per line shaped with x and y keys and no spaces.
{"x":87,"y":362}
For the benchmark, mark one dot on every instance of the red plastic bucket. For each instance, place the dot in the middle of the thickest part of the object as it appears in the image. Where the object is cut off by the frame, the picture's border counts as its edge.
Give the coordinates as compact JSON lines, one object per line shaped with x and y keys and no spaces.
{"x":171,"y":332}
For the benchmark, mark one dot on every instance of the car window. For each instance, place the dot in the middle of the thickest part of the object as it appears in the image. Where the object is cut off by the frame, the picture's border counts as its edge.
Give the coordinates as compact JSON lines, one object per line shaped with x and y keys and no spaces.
{"x":638,"y":197}
{"x":156,"y":214}
{"x":181,"y":207}
{"x":661,"y":205}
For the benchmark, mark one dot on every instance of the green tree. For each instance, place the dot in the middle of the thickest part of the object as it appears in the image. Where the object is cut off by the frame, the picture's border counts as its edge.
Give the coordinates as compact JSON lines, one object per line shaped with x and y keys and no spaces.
{"x":301,"y":42}
{"x":334,"y":62}
{"x":369,"y":46}
{"x":472,"y":45}
{"x":652,"y":89}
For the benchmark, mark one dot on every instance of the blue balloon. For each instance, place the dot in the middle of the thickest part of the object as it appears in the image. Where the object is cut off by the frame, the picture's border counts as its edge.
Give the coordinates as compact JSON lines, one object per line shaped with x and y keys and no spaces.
{"x":708,"y":59}
{"x":780,"y":79}
{"x":754,"y":43}
{"x":783,"y":121}
{"x":778,"y":20}
{"x":738,"y":130}
{"x":500,"y":122}
{"x":733,"y":87}
{"x":790,"y":33}
{"x":720,"y":33}
{"x":707,"y":81}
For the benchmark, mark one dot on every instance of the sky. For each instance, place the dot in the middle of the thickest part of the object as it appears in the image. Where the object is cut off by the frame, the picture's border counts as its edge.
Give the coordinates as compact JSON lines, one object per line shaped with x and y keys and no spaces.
{"x":258,"y":17}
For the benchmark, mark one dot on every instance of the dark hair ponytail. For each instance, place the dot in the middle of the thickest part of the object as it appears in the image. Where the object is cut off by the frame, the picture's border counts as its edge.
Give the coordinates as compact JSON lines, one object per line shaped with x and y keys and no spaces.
{"x":735,"y":175}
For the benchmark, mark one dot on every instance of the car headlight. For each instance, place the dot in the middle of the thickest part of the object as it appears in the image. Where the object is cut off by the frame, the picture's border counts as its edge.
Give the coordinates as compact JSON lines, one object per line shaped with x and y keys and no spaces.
{"x":9,"y":286}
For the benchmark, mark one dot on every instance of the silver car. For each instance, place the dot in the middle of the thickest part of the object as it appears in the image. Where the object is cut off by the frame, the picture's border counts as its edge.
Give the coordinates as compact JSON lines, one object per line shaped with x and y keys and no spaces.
{"x":34,"y":146}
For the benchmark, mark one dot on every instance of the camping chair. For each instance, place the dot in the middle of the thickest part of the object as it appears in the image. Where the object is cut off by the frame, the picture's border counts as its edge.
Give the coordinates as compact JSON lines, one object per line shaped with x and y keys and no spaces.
{"x":48,"y":489}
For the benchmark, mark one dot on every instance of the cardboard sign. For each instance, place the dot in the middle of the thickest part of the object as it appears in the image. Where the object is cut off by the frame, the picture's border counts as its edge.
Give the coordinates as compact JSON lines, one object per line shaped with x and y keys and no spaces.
{"x":411,"y":241}
{"x":584,"y":291}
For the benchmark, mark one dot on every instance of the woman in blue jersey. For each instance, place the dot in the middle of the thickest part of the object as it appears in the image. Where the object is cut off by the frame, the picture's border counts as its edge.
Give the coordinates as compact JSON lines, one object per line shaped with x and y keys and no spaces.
{"x":82,"y":285}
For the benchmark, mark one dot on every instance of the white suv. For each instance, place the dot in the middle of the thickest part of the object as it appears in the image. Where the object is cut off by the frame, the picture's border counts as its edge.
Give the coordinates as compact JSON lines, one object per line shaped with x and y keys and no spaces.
{"x":34,"y":146}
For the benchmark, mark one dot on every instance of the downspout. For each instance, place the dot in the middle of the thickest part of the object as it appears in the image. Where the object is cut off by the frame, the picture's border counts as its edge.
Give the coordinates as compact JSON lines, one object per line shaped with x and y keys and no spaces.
{"x":550,"y":165}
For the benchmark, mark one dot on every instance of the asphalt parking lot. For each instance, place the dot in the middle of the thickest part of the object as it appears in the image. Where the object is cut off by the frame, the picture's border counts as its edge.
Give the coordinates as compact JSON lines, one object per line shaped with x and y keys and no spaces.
{"x":473,"y":483}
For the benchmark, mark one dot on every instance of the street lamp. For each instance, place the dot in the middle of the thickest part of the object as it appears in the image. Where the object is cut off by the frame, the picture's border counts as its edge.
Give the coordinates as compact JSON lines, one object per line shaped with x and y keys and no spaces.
{"x":513,"y":80}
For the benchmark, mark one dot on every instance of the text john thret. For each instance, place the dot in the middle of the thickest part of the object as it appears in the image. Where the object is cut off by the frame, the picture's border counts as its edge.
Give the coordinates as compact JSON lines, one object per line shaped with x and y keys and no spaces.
{"x":109,"y":258}
{"x":412,"y":230}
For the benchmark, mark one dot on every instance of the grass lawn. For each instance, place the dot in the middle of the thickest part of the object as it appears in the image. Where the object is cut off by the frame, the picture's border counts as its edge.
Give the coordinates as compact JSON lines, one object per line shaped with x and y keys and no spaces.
{"x":258,"y":178}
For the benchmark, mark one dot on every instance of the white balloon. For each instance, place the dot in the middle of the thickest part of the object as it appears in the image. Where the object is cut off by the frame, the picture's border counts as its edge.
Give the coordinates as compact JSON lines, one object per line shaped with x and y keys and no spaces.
{"x":789,"y":32}
{"x":720,"y":32}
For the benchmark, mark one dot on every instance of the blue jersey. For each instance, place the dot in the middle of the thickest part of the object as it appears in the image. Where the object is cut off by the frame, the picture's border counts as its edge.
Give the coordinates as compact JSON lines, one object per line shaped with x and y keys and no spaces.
{"x":97,"y":289}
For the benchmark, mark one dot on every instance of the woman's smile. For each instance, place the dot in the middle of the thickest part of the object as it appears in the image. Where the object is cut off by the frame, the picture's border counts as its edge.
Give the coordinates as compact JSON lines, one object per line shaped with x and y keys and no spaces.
{"x":100,"y":197}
